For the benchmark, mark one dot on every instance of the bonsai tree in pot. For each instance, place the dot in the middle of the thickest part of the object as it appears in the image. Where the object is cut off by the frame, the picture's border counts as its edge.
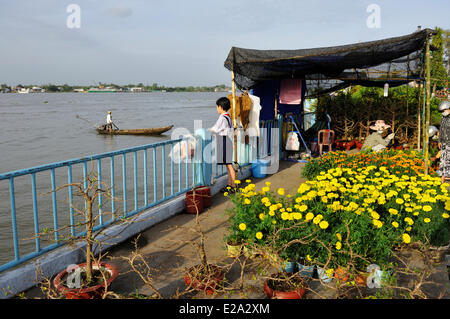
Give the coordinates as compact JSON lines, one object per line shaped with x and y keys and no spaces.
{"x":91,"y":278}
{"x":203,"y":276}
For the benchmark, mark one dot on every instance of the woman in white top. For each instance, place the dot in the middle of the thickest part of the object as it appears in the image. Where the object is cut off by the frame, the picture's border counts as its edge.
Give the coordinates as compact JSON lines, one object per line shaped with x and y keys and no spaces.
{"x":224,"y":129}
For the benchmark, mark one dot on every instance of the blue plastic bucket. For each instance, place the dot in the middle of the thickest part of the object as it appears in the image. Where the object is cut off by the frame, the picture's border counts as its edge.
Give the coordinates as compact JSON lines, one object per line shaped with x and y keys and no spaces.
{"x":259,"y":168}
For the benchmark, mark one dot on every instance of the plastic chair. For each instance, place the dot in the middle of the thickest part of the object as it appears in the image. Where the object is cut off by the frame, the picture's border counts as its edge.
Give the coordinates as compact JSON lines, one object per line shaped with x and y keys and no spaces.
{"x":325,"y":137}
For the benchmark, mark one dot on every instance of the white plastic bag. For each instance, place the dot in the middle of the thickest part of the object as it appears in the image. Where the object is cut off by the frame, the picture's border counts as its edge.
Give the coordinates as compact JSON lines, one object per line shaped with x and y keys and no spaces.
{"x":292,"y":143}
{"x":179,"y":153}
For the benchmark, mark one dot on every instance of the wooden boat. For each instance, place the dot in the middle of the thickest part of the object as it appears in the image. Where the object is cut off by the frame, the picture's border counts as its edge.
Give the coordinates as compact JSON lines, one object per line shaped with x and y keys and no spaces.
{"x":142,"y":131}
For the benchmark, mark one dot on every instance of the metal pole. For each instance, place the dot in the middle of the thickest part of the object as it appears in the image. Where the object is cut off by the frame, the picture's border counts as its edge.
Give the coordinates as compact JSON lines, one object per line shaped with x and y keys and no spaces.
{"x":233,"y":92}
{"x":427,"y":122}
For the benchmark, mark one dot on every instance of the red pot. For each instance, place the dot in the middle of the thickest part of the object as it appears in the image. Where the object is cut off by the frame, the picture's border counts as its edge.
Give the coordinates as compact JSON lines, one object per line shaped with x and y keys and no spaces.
{"x":205,"y":194}
{"x":194,"y":202}
{"x":276,"y":294}
{"x":359,"y":144}
{"x":197,"y":284}
{"x":93,"y":292}
{"x":349,"y":145}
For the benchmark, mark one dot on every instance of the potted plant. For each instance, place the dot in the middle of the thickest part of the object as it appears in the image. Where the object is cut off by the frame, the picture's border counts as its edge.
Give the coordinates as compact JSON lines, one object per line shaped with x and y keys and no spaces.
{"x":283,"y":285}
{"x":91,"y":278}
{"x":203,"y":276}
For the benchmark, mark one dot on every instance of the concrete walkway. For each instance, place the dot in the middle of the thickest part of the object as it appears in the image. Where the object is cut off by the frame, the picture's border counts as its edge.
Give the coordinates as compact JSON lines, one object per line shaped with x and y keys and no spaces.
{"x":168,"y":250}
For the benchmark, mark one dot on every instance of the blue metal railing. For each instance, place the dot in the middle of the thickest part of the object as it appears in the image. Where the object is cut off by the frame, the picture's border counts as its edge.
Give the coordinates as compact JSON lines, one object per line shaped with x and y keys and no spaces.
{"x":61,"y":217}
{"x":161,"y":192}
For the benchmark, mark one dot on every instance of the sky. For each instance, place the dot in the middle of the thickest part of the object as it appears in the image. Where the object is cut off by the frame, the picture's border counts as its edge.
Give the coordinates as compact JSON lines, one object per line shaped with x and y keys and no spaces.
{"x":183,"y":42}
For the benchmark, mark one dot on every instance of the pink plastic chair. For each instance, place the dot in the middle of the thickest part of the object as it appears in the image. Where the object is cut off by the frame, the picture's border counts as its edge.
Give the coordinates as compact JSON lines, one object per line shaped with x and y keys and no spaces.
{"x":325,"y":137}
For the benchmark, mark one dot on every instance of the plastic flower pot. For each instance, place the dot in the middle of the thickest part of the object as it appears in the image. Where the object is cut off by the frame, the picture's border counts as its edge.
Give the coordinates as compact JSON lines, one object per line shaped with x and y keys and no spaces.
{"x":322,"y":273}
{"x":194,"y":202}
{"x":271,"y":290}
{"x":205,"y":193}
{"x":93,"y":292}
{"x":306,"y":271}
{"x":288,"y":266}
{"x":195,"y":279}
{"x":234,"y":250}
{"x":259,"y":168}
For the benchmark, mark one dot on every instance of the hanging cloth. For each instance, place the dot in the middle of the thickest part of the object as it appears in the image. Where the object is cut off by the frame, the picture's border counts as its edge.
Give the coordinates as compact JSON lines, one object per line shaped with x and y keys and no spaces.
{"x":246,"y":106}
{"x":291,"y":91}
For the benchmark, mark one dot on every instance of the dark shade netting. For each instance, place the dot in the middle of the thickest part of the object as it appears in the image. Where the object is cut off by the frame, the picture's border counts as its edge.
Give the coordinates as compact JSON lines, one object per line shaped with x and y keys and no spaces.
{"x":395,"y":60}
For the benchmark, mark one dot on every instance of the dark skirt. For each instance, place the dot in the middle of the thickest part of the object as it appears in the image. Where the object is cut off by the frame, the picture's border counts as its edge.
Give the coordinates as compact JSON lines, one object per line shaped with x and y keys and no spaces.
{"x":224,"y":151}
{"x":444,"y":162}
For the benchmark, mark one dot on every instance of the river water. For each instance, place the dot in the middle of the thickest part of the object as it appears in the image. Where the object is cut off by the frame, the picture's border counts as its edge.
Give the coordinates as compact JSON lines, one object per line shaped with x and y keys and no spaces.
{"x":43,"y":128}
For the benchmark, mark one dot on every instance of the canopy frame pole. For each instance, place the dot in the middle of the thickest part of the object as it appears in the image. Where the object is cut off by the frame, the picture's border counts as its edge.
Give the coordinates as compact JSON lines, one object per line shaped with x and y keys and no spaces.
{"x":233,"y":92}
{"x":427,"y":115}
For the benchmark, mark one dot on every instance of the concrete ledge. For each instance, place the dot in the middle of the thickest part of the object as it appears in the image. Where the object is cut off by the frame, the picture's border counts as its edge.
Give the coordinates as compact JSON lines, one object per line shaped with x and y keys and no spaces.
{"x":24,"y":277}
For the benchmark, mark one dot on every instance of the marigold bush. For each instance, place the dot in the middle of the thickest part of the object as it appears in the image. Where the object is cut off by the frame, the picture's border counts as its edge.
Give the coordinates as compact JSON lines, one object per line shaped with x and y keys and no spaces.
{"x":347,"y":214}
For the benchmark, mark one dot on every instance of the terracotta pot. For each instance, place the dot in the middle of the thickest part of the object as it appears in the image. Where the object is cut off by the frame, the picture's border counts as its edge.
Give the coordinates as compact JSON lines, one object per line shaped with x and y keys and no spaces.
{"x":198,"y":284}
{"x":349,"y":145}
{"x":93,"y":292}
{"x":277,"y":294}
{"x":194,"y":202}
{"x":205,"y":194}
{"x":359,"y":144}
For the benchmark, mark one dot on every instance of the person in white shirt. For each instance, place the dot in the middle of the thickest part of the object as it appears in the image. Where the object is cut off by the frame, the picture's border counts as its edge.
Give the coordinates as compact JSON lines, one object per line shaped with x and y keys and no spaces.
{"x":109,"y":122}
{"x":224,"y":131}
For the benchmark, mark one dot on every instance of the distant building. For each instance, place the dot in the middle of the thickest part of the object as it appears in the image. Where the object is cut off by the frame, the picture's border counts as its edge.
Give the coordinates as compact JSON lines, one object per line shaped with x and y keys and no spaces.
{"x":137,"y":90}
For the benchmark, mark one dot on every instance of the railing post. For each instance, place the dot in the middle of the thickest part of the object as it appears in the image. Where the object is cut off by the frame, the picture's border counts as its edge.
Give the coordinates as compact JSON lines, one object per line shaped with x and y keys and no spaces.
{"x":204,"y":162}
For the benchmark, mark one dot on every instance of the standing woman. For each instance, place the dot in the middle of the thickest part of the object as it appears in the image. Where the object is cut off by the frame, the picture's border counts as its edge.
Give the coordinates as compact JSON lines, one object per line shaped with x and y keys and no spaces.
{"x":444,"y":141}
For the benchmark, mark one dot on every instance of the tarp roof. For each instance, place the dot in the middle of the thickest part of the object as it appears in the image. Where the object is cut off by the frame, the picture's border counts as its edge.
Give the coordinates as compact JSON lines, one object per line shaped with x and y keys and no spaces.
{"x":396,"y":60}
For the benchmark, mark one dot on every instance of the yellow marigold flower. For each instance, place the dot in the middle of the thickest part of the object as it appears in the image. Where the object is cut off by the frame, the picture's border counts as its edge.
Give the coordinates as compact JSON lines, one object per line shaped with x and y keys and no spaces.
{"x":285,"y":216}
{"x":248,"y":181}
{"x":408,"y":228}
{"x":317,"y":219}
{"x":261,"y":216}
{"x":281,"y":191}
{"x":225,"y":194}
{"x":395,"y":224}
{"x":268,"y":183}
{"x":259,"y":235}
{"x":267,"y":204}
{"x":265,"y":189}
{"x":237,"y":182}
{"x":427,"y":220}
{"x":375,"y":215}
{"x":406,"y":238}
{"x":323,"y":224}
{"x":393,"y":211}
{"x":297,"y":216}
{"x":399,"y":201}
{"x":308,"y":257}
{"x":247,"y":201}
{"x":445,"y":215}
{"x":303,"y":208}
{"x":264,"y":200}
{"x":338,"y":245}
{"x":377,"y":223}
{"x":242,"y":226}
{"x":427,"y":208}
{"x":309,"y":216}
{"x":330,"y":272}
{"x":271,"y":213}
{"x":409,"y":220}
{"x":339,"y":236}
